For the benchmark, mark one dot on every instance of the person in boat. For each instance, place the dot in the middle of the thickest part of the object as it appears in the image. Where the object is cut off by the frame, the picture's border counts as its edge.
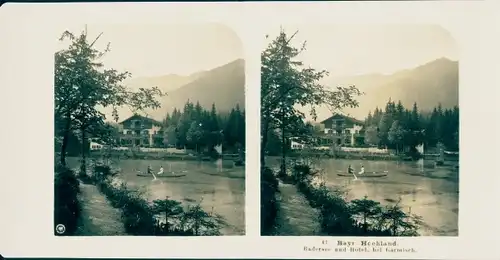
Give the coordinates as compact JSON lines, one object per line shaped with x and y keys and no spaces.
{"x":161,"y":170}
{"x":350,"y":170}
{"x":149,"y":169}
{"x":362,"y":170}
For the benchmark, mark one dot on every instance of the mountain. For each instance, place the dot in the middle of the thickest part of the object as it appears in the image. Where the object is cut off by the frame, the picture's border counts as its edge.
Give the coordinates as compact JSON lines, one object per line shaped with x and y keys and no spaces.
{"x":429,"y":84}
{"x":223,"y":86}
{"x":165,"y":83}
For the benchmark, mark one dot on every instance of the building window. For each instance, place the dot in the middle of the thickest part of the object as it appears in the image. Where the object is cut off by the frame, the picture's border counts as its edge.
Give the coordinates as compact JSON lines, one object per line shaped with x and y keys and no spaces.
{"x":347,"y":131}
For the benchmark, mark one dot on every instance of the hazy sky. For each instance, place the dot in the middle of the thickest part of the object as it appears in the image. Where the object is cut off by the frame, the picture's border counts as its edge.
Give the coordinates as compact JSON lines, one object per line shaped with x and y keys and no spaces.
{"x":346,"y":50}
{"x":153,"y":50}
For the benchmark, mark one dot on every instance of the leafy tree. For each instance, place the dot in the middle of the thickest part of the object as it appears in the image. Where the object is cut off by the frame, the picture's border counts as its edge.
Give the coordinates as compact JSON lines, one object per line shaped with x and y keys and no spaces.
{"x":396,"y":135}
{"x":195,"y":134}
{"x":286,"y":84}
{"x":273,"y":144}
{"x":169,"y":208}
{"x":201,"y":222}
{"x":171,"y":135}
{"x":83,"y":84}
{"x":383,"y":128}
{"x":399,"y":223}
{"x":371,"y":135}
{"x":365,"y":211}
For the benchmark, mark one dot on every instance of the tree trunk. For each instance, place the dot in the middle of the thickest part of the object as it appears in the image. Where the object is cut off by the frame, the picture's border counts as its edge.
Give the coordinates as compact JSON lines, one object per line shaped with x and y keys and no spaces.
{"x":283,"y":152}
{"x":83,"y":167}
{"x":64,"y":146}
{"x":65,"y":141}
{"x":283,"y":145}
{"x":265,"y":131}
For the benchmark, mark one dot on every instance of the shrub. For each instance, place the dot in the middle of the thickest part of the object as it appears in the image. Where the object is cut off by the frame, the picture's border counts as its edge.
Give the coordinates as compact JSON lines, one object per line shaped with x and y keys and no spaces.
{"x":171,"y":209}
{"x":197,"y":222}
{"x":358,"y":217}
{"x":142,"y":218}
{"x":137,"y":216}
{"x":67,"y":207}
{"x":268,"y":202}
{"x":395,"y":222}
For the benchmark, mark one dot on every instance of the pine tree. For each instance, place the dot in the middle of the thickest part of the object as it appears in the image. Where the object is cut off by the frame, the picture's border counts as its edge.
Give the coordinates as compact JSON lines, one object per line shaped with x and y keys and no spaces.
{"x":214,"y":120}
{"x":383,"y":129}
{"x":369,"y":119}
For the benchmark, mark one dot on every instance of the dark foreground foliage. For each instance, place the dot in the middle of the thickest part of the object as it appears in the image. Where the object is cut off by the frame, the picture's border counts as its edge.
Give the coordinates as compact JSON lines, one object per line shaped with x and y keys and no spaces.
{"x":360,"y":217}
{"x":142,"y":218}
{"x":67,"y":207}
{"x":268,"y":202}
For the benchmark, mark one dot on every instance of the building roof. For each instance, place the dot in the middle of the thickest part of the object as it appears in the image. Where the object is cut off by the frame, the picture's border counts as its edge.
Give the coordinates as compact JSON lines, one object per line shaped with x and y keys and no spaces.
{"x":143,"y":118}
{"x":341,"y":116}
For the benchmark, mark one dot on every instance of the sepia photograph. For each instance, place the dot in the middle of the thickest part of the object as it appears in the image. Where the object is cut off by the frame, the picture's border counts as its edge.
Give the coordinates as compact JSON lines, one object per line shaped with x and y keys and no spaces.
{"x":149,"y":134}
{"x":359,"y":131}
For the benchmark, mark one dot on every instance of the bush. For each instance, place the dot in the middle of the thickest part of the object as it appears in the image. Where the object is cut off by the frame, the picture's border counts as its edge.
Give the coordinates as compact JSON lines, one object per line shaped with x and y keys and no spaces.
{"x":197,"y":222}
{"x":141,"y":218}
{"x":67,"y":207}
{"x":268,"y":202}
{"x":358,"y":217}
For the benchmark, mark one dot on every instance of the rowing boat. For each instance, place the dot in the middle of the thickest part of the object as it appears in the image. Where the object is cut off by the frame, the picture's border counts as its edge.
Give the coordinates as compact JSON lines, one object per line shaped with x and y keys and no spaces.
{"x":364,"y":175}
{"x":162,"y":175}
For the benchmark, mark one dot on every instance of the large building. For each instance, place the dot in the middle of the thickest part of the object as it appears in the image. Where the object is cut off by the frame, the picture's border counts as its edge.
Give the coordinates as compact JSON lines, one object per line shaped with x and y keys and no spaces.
{"x":342,"y":130}
{"x":141,"y":131}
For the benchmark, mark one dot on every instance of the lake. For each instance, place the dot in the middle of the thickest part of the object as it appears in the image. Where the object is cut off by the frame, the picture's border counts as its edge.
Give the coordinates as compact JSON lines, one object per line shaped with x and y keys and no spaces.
{"x":223,"y":195}
{"x":431,"y":193}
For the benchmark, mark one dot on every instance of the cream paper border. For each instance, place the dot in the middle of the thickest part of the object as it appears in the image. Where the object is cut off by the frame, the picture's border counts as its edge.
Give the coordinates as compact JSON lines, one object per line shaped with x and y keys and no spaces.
{"x":28,"y":36}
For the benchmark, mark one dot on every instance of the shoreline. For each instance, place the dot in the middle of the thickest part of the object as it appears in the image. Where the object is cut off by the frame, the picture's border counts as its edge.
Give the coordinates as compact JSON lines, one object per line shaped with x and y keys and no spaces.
{"x":158,"y":156}
{"x":358,"y":156}
{"x":348,"y":156}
